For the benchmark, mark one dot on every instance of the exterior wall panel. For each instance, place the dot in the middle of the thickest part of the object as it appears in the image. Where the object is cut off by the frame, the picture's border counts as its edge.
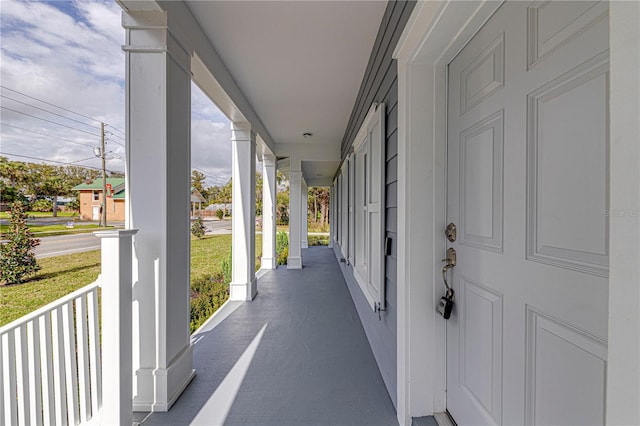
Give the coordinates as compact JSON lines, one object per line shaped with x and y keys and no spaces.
{"x":380,"y":85}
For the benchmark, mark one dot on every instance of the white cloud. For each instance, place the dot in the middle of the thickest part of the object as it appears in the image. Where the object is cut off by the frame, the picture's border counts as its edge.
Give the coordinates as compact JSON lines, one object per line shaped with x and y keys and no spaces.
{"x":69,"y":54}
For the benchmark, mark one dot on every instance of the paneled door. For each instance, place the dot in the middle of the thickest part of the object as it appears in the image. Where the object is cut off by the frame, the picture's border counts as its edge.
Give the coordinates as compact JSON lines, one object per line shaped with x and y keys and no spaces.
{"x":528,"y":192}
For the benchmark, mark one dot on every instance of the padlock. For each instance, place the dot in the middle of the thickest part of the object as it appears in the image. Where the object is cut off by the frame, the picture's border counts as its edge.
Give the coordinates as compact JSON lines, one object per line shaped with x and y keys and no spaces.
{"x":445,"y":306}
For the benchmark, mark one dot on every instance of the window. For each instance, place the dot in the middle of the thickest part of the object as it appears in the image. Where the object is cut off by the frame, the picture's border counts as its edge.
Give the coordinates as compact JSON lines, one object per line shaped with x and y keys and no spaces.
{"x":369,"y":207}
{"x":96,"y":196}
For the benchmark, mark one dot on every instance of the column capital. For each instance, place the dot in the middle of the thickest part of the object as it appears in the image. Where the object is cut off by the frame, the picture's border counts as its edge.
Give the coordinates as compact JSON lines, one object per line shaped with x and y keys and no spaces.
{"x":149,"y":31}
{"x":241,"y":131}
{"x":145,"y":19}
{"x":118,"y":233}
{"x":268,"y":159}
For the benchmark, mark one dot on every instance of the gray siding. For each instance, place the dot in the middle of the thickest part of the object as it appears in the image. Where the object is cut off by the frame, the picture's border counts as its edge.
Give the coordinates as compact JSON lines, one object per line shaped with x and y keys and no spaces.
{"x":380,"y":84}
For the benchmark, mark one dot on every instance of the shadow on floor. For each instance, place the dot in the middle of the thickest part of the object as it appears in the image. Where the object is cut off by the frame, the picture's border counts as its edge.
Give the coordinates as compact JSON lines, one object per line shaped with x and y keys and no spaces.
{"x":296,"y":355}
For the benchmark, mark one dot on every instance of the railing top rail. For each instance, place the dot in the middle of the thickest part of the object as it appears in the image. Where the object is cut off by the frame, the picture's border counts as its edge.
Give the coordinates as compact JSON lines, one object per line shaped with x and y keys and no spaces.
{"x":49,"y":307}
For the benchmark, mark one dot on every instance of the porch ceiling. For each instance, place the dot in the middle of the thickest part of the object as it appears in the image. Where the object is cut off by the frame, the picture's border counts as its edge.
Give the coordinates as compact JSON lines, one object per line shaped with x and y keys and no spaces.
{"x":299,"y":64}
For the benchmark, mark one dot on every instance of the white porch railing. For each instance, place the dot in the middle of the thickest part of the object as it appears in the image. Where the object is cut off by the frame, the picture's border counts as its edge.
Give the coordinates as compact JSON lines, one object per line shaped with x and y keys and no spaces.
{"x":50,"y":367}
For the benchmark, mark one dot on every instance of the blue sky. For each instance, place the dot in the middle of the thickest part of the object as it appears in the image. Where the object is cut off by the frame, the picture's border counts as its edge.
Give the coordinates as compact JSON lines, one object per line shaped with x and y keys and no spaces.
{"x":68,"y":53}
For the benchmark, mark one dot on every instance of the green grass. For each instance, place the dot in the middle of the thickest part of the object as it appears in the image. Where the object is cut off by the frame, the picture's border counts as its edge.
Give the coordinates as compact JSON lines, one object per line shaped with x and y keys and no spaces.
{"x":49,"y":230}
{"x":62,"y":275}
{"x":5,"y":215}
{"x":58,"y":277}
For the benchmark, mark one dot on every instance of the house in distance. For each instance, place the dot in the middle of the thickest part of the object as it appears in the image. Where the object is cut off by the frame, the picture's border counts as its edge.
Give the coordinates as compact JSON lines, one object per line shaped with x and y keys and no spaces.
{"x":91,"y":198}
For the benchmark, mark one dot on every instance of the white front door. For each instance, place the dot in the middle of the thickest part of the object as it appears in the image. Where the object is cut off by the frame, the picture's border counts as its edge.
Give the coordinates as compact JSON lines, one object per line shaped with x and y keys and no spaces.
{"x":527,"y":189}
{"x":96,"y":213}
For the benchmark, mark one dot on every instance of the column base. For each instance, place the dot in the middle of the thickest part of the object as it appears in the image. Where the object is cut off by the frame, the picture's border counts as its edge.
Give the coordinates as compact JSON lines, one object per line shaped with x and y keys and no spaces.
{"x":294,"y":263}
{"x":157,"y":389}
{"x":268,"y":263}
{"x":243,"y":291}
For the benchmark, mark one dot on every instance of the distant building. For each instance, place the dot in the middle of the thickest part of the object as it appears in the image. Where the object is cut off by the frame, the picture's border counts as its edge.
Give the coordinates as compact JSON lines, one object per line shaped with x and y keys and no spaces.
{"x":91,"y":199}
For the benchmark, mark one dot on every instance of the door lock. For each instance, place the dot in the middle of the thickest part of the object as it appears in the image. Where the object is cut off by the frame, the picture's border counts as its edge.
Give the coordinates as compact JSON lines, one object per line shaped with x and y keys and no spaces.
{"x":451,"y":232}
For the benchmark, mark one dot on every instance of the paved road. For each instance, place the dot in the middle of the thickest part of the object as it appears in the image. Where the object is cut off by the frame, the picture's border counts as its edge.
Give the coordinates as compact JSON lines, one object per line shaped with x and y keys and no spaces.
{"x":66,"y":244}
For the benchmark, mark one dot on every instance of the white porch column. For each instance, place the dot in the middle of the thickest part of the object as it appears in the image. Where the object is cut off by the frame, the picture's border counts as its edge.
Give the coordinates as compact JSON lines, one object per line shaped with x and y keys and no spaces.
{"x":243,"y":217}
{"x":304,"y":214}
{"x":158,"y":114}
{"x":294,"y":261}
{"x":269,"y":255}
{"x":117,"y":398}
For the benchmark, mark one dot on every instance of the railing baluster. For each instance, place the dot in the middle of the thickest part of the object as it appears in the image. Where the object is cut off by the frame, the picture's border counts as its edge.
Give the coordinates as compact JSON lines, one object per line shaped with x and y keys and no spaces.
{"x":50,"y":363}
{"x":59,"y":383}
{"x":94,"y":351}
{"x":22,"y":374}
{"x":71,"y":369}
{"x":35,"y":381}
{"x":9,"y":379}
{"x":46,"y":355}
{"x":84,"y":384}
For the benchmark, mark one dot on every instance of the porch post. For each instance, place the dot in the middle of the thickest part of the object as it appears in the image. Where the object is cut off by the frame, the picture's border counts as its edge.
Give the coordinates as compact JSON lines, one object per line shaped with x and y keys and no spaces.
{"x":158,"y":114}
{"x":117,"y":406}
{"x":304,"y":214}
{"x":243,"y":217}
{"x":294,"y":261}
{"x":269,"y":255}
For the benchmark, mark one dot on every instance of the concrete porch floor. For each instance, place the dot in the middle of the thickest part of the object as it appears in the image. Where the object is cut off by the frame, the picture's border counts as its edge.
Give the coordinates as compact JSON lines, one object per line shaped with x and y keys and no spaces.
{"x":296,"y":355}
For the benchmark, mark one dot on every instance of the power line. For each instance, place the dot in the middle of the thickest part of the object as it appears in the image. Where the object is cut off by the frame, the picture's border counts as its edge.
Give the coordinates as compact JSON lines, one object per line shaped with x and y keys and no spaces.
{"x":114,"y":134}
{"x":47,"y":111}
{"x":54,"y":161}
{"x":49,"y":121}
{"x":49,"y":136}
{"x":48,"y":103}
{"x":114,"y":141}
{"x":114,"y":128}
{"x":84,"y":159}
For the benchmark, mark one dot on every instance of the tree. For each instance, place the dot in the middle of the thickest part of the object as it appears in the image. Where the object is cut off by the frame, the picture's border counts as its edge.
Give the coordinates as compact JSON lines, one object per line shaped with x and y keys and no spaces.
{"x":17,"y":259}
{"x":197,"y":181}
{"x":51,"y":181}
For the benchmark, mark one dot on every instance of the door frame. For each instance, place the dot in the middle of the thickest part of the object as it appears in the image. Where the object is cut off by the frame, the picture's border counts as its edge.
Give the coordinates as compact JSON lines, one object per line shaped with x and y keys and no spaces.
{"x":434,"y":34}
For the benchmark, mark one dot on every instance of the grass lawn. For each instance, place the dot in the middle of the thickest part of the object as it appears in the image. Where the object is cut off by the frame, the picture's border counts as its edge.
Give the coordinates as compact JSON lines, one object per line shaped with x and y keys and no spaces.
{"x":61,"y":275}
{"x":58,"y":277}
{"x":60,"y":229}
{"x":5,"y":215}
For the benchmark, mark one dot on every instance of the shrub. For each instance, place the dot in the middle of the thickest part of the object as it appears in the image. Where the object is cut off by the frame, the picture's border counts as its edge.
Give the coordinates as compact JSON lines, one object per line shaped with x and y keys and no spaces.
{"x":318,"y":240}
{"x":42,"y":205}
{"x":226,"y":266}
{"x":282,"y":247}
{"x":73,"y":205}
{"x":207,"y":295}
{"x":283,"y":255}
{"x":17,"y":259}
{"x":220,"y":214}
{"x":198,"y":228}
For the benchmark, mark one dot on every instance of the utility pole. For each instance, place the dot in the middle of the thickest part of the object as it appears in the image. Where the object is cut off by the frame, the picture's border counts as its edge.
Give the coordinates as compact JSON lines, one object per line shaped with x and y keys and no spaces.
{"x":104,"y":176}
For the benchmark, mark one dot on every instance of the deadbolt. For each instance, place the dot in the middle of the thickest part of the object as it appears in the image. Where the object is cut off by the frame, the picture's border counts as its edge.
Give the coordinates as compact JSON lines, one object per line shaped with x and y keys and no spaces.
{"x":450,"y":232}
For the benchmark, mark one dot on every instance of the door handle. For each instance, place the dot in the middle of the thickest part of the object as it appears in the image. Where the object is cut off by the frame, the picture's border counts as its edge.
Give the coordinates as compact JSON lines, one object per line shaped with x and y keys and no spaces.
{"x":450,"y":263}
